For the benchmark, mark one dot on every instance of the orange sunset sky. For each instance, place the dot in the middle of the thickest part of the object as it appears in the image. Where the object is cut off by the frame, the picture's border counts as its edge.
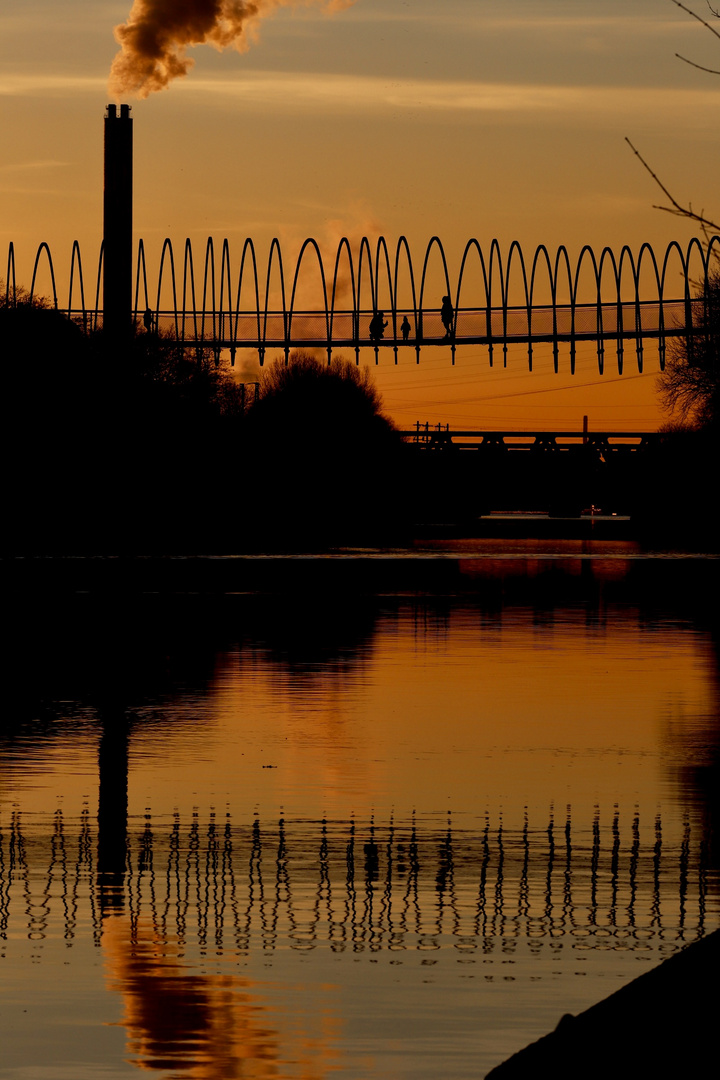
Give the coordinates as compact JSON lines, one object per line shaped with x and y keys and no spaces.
{"x":463,"y":118}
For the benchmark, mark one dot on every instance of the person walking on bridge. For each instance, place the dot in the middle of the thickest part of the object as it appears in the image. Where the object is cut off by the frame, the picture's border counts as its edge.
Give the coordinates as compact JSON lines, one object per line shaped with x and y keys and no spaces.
{"x":447,"y":315}
{"x":377,"y":326}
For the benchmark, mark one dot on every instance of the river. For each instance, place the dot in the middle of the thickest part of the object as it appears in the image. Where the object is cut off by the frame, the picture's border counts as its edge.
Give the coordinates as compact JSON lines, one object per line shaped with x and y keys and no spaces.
{"x":377,"y":814}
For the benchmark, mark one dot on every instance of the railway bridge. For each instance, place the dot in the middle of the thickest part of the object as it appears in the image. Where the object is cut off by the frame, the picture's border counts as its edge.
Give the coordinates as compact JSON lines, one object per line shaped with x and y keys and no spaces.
{"x":442,"y":437}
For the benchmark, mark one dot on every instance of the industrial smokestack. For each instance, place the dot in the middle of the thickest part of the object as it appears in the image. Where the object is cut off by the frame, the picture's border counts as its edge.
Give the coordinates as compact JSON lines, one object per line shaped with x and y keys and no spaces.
{"x":117,"y":230}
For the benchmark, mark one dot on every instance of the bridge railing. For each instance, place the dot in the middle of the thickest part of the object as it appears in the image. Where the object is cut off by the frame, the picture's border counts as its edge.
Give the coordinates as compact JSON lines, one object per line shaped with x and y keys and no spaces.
{"x":472,"y":326}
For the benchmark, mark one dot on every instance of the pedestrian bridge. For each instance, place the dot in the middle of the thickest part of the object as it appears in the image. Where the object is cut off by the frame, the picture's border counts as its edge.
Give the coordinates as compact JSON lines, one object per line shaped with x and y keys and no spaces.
{"x":619,"y":301}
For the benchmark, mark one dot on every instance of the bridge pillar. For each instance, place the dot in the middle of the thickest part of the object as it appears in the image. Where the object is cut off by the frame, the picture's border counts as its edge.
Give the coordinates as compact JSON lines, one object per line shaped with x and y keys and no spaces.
{"x":118,"y":223}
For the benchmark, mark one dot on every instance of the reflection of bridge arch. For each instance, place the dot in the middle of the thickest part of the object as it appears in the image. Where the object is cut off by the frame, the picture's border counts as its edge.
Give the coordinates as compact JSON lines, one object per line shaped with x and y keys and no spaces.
{"x":491,"y":315}
{"x":396,"y":886}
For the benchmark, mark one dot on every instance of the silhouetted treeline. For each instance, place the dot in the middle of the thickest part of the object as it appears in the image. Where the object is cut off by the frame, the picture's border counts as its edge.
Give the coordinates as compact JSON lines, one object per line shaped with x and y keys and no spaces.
{"x":663,"y":486}
{"x":108,"y":449}
{"x":327,"y":462}
{"x":148,"y":447}
{"x":151,"y":448}
{"x":675,"y":492}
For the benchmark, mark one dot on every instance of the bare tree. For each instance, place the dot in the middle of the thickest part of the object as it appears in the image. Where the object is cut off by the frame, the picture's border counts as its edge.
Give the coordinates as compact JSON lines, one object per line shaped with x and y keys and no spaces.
{"x":706,"y":24}
{"x":689,"y":386}
{"x":707,"y":224}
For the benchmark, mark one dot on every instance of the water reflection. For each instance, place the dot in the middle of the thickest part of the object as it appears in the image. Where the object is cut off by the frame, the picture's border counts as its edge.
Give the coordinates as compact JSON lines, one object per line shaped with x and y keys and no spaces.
{"x":504,"y":769}
{"x":692,"y":759}
{"x":202,"y":895}
{"x":393,"y":885}
{"x":212,"y":1027}
{"x":113,"y":807}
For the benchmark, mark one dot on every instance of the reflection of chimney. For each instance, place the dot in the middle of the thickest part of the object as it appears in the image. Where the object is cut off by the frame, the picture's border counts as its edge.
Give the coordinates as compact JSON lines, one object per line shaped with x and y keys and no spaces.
{"x":117,"y":232}
{"x":112,"y":809}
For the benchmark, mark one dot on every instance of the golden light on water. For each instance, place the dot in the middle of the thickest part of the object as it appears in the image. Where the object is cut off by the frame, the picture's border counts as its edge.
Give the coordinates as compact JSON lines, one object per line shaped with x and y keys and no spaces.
{"x":211,"y":1026}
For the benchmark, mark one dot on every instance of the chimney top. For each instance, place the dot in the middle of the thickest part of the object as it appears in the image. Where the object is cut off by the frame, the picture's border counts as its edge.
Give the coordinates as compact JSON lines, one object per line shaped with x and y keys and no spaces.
{"x":124,"y":112}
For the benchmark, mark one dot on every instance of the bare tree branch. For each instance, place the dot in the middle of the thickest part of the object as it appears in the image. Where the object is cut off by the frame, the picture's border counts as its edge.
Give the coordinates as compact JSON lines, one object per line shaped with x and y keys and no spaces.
{"x":699,"y":18}
{"x":707,"y":225}
{"x":675,"y":207}
{"x":711,"y":71}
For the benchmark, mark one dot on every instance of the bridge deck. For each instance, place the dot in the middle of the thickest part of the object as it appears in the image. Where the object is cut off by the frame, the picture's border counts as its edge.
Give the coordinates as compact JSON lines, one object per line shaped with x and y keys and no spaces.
{"x":473,"y":326}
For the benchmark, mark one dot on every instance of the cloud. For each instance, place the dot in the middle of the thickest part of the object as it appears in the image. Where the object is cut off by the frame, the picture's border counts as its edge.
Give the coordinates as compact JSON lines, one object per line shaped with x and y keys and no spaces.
{"x":29,"y":84}
{"x":362,"y":94}
{"x":330,"y":94}
{"x":31,"y":166}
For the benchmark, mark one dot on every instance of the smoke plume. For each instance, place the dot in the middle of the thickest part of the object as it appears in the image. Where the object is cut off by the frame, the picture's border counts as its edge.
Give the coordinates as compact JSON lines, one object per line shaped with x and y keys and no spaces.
{"x":157,"y":33}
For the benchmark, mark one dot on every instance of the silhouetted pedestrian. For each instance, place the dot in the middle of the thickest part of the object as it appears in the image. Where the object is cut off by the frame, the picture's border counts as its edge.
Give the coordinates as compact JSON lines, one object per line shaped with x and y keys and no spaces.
{"x":377,"y":326}
{"x":447,"y":315}
{"x":148,"y":320}
{"x":405,"y":327}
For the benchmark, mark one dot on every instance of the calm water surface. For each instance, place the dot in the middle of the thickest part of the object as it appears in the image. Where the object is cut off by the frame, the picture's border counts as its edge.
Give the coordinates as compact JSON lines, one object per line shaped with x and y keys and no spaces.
{"x":368,"y":823}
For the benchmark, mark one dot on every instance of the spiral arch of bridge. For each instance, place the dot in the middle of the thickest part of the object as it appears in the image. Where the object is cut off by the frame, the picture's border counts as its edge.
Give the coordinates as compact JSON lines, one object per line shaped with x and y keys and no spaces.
{"x":611,"y":306}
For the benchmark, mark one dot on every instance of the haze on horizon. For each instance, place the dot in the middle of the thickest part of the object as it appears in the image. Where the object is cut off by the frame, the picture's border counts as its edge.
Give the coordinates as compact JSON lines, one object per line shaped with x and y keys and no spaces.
{"x":463,"y":120}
